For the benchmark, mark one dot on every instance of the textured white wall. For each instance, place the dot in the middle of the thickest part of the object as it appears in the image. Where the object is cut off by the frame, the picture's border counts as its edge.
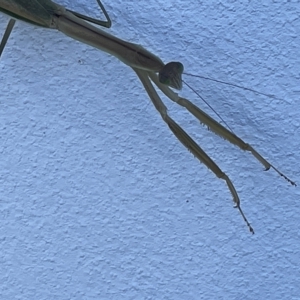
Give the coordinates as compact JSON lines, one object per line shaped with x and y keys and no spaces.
{"x":94,"y":187}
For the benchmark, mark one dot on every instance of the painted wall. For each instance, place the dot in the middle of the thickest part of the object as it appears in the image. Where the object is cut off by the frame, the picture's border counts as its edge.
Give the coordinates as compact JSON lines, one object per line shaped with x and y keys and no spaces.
{"x":98,"y":200}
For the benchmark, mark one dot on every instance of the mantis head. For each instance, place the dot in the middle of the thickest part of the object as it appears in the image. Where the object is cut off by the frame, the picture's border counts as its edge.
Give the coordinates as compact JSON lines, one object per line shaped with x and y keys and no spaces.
{"x":170,"y":75}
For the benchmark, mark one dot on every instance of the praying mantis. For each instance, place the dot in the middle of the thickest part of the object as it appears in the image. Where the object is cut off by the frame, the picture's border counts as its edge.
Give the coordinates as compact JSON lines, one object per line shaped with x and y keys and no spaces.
{"x":149,"y":68}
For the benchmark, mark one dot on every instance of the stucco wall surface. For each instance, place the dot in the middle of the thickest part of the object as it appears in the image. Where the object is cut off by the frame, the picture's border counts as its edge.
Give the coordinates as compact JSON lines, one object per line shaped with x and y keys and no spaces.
{"x":98,"y":200}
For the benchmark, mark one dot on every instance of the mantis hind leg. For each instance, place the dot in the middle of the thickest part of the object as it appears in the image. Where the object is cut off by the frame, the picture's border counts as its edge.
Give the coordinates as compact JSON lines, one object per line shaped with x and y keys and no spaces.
{"x":6,"y":35}
{"x":106,"y":23}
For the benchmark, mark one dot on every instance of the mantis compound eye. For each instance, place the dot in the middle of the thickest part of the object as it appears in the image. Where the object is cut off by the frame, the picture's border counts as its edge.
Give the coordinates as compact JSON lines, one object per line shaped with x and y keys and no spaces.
{"x":170,"y":75}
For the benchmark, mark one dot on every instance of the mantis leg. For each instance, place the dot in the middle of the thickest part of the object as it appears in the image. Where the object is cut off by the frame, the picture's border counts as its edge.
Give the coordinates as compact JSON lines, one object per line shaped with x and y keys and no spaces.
{"x":106,"y":24}
{"x":214,"y":126}
{"x":6,"y":35}
{"x":186,"y":140}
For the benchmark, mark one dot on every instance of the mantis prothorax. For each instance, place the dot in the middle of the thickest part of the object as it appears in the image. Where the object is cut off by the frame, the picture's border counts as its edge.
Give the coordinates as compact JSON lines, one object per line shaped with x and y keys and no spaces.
{"x":148,"y":67}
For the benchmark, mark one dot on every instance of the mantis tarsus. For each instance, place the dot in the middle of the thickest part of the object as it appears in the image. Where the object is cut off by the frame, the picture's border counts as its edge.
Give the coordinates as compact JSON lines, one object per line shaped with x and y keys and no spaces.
{"x":148,"y":67}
